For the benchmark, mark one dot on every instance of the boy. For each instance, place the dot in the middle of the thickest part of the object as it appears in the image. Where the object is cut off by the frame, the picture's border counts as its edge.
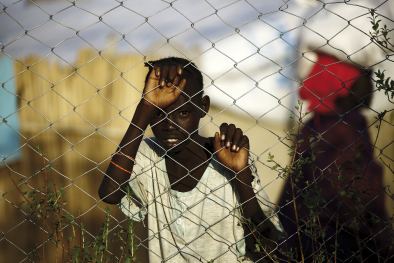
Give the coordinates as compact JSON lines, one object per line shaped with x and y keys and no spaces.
{"x":189,"y":187}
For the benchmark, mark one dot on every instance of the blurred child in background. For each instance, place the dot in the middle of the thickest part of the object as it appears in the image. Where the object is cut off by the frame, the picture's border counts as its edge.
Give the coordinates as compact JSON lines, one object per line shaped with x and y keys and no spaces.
{"x":336,"y":93}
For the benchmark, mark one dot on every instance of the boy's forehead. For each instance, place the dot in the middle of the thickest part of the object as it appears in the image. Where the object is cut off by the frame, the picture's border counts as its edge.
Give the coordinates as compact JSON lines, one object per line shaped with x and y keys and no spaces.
{"x":192,"y":84}
{"x":191,"y":89}
{"x":190,"y":93}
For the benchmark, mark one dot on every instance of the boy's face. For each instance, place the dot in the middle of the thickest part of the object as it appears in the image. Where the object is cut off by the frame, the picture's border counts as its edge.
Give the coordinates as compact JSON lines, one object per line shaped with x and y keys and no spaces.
{"x":182,"y":120}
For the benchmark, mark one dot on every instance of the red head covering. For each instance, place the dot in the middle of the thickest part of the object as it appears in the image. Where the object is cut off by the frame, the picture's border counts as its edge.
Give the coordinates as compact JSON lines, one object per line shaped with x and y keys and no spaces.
{"x":335,"y":79}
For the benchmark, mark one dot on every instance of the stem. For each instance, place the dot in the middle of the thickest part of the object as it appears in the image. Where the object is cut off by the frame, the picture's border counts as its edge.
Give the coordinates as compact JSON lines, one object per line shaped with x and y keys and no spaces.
{"x":387,"y":165}
{"x":45,"y":206}
{"x":132,"y":248}
{"x":365,"y":170}
{"x":59,"y":220}
{"x":125,"y":243}
{"x":38,"y":256}
{"x":27,"y":200}
{"x":289,"y":174}
{"x":296,"y":215}
{"x":388,"y":254}
{"x":374,"y":146}
{"x":250,"y":229}
{"x":371,"y":233}
{"x":336,"y":239}
{"x":80,"y":242}
{"x":292,"y":188}
{"x":358,"y":242}
{"x":377,"y":42}
{"x":317,"y":214}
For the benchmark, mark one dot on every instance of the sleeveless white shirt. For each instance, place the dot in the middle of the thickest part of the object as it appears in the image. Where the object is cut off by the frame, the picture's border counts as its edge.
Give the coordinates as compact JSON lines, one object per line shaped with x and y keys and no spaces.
{"x":196,"y":226}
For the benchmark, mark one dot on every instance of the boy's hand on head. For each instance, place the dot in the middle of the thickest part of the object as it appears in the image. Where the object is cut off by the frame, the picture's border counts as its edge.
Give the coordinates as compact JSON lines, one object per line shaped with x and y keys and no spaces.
{"x":232,"y":147}
{"x":159,"y":89}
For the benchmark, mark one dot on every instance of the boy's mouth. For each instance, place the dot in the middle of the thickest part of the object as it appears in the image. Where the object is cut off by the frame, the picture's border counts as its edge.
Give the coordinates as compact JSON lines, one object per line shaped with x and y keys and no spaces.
{"x":169,"y":143}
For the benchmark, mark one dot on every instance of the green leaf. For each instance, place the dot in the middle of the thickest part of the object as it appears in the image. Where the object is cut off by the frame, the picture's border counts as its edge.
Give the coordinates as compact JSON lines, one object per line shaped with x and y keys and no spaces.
{"x":257,"y":248}
{"x":359,"y":146}
{"x":50,"y":166}
{"x":101,"y":248}
{"x":38,"y":149}
{"x":21,"y":181}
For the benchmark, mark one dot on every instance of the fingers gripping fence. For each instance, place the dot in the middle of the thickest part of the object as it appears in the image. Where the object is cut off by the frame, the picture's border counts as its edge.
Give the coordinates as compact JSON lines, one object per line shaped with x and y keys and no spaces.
{"x":328,"y":173}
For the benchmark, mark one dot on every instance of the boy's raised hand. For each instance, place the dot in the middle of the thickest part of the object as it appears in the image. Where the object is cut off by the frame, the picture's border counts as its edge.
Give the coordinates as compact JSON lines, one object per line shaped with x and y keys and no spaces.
{"x":159,"y":90}
{"x":235,"y":153}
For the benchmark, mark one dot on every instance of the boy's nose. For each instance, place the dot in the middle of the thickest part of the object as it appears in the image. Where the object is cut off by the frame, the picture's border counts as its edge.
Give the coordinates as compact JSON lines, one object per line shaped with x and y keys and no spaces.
{"x":168,"y":124}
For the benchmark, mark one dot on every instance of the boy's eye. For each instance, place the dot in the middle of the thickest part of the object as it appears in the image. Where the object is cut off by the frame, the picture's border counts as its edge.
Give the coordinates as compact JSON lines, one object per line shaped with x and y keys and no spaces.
{"x":183,"y":113}
{"x":160,"y":114}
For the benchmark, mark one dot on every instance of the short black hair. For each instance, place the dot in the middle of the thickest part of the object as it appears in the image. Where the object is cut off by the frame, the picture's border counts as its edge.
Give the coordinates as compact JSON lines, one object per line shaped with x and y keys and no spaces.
{"x":360,"y":95}
{"x":188,"y":68}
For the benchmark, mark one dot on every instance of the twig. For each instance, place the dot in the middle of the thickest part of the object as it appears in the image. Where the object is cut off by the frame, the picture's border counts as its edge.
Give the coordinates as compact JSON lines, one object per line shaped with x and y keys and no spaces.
{"x":250,"y":229}
{"x":125,"y":243}
{"x":59,"y":220}
{"x":377,"y":42}
{"x":80,"y":240}
{"x":336,"y":239}
{"x":374,"y":146}
{"x":27,"y":200}
{"x":388,"y":166}
{"x":289,"y":174}
{"x":45,"y":206}
{"x":317,"y":214}
{"x":292,"y":186}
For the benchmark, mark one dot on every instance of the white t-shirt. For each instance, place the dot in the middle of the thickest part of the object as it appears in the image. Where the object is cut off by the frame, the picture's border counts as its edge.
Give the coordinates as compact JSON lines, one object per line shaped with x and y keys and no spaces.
{"x":196,"y":226}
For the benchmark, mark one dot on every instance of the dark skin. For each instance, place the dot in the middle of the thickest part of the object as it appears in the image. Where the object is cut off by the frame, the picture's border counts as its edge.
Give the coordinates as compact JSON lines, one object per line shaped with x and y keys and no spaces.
{"x":174,"y":121}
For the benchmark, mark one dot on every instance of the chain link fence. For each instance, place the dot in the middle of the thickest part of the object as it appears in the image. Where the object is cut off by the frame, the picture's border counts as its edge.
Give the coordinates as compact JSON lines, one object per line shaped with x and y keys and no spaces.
{"x":72,"y":74}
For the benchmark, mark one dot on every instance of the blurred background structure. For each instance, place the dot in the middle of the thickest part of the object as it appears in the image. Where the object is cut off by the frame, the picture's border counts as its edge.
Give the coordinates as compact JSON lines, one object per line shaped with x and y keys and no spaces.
{"x":72,"y":73}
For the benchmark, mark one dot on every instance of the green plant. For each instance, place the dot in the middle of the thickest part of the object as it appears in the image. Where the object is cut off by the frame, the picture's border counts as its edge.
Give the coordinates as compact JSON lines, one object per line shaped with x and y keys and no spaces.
{"x":380,"y":37}
{"x":47,"y":204}
{"x":308,"y":209}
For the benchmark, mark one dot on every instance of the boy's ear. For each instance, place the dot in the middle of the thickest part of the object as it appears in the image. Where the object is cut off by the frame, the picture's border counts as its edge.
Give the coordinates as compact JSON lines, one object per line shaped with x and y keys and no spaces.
{"x":205,"y":104}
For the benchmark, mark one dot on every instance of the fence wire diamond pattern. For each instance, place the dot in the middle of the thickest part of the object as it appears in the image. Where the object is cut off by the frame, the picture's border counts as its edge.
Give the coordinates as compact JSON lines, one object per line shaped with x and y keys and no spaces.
{"x":72,"y":76}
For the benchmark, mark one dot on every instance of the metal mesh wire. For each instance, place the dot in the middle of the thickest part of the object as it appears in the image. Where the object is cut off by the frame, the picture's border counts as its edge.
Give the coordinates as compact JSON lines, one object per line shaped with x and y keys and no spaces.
{"x":97,"y":165}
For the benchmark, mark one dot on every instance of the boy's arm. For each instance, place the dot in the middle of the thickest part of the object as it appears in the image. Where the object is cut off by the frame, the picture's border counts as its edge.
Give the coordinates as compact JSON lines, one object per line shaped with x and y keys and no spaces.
{"x":251,"y":209}
{"x":115,"y":178}
{"x":232,"y":150}
{"x":159,"y":93}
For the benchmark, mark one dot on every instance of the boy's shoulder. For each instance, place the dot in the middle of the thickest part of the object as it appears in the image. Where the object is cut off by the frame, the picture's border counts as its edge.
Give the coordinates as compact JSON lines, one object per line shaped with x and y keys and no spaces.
{"x":150,"y":141}
{"x":149,"y":150}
